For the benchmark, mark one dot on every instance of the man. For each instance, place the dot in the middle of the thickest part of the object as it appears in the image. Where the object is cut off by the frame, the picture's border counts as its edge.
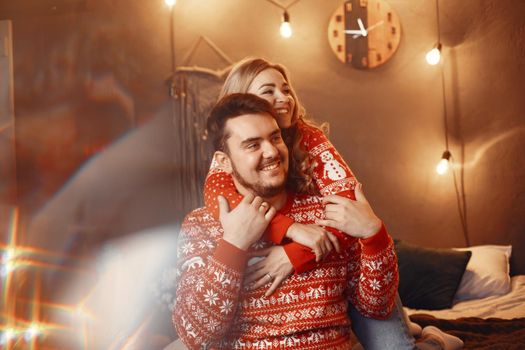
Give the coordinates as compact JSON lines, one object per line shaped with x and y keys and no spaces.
{"x":214,"y":309}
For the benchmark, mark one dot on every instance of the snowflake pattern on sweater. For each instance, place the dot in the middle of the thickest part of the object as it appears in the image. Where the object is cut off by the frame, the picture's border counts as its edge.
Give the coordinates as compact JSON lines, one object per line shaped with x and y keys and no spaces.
{"x":308,"y":311}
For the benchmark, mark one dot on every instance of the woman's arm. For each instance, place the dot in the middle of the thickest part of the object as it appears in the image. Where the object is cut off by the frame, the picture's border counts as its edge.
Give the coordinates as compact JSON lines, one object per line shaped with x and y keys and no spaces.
{"x":310,"y":237}
{"x":219,"y":182}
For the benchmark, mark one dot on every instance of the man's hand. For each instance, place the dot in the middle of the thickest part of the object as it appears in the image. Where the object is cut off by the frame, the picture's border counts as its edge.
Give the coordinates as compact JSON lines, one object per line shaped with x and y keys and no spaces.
{"x":245,"y":224}
{"x":314,"y":237}
{"x":274,"y":268}
{"x":355,"y":218}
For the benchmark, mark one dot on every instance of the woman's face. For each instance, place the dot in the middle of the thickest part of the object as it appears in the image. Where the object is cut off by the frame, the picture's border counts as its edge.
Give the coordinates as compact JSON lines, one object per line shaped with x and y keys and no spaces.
{"x":271,"y":85}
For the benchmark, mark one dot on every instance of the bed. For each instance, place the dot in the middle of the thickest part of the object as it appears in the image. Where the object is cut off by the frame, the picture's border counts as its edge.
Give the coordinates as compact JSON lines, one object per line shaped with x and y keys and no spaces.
{"x":487,"y":306}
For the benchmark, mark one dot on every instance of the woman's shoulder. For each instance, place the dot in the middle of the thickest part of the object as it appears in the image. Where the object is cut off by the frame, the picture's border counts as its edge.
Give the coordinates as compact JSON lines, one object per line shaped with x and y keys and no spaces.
{"x":309,"y":129}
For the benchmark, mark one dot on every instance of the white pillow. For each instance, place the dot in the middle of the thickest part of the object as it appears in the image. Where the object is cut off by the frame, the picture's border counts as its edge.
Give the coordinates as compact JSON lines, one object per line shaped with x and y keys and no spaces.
{"x":487,"y":272}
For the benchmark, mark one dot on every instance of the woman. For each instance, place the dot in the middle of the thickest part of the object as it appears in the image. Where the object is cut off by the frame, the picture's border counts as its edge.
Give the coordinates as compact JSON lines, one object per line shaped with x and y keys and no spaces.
{"x":318,"y":168}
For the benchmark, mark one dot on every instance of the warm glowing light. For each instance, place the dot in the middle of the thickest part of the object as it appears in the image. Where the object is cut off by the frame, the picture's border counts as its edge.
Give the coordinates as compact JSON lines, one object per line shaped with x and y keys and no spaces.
{"x":9,"y":254}
{"x":434,"y":56}
{"x":8,"y":262}
{"x":444,"y":163}
{"x":442,"y":166}
{"x":170,"y":3}
{"x":286,"y":28}
{"x":32,"y":332}
{"x":8,"y":335}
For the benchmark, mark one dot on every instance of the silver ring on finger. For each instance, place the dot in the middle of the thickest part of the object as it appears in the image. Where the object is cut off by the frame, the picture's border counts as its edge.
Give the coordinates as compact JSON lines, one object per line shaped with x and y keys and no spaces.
{"x":265,"y":205}
{"x":269,"y":276}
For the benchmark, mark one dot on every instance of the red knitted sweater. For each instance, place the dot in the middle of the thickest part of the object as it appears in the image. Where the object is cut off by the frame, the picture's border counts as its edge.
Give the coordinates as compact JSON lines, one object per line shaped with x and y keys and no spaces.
{"x":331,"y":174}
{"x":308,"y":310}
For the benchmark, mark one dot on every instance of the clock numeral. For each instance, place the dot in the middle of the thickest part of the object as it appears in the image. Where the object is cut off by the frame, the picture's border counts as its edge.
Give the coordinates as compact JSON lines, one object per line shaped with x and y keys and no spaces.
{"x":389,"y":46}
{"x":393,"y":30}
{"x":389,"y":17}
{"x":335,"y":33}
{"x":338,"y":18}
{"x":363,"y":3}
{"x":339,"y":48}
{"x":348,"y":7}
{"x":378,"y":57}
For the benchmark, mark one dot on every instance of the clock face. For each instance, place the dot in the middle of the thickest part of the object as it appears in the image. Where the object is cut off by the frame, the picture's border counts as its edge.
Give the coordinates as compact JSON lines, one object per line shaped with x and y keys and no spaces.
{"x":365,"y":33}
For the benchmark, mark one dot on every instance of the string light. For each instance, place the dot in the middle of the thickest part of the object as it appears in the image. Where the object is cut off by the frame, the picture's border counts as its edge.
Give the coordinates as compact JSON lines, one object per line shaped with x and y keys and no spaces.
{"x":434,"y":56}
{"x":286,"y":28}
{"x":444,"y":163}
{"x":170,"y":3}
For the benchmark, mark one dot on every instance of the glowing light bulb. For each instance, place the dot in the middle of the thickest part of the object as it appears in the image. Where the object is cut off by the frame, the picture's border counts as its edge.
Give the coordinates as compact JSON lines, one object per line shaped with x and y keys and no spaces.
{"x":444,"y":163}
{"x":434,"y":56}
{"x":286,"y":28}
{"x":170,"y":3}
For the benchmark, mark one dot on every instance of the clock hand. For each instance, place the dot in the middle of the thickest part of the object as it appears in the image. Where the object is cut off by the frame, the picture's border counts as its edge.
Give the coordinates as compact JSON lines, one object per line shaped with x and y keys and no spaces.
{"x":374,"y":26}
{"x":362,"y":27}
{"x":352,"y":31}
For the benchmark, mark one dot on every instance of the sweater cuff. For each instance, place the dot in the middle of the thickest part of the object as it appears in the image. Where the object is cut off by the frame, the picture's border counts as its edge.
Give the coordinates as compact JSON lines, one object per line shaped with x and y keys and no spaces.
{"x":278,"y":226}
{"x":230,"y":255}
{"x":301,"y":257}
{"x":376,"y":243}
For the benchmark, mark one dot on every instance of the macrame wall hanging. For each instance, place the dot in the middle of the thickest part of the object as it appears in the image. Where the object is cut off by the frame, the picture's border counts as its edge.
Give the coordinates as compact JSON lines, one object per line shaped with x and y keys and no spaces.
{"x":194,"y":90}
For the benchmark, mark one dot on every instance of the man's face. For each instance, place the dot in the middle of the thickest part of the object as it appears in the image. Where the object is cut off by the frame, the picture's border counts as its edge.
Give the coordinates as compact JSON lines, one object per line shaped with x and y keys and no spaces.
{"x":257,"y":154}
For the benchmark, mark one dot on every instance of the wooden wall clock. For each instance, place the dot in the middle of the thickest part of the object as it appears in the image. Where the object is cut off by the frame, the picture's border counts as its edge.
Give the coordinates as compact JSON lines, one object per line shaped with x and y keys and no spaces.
{"x":365,"y":33}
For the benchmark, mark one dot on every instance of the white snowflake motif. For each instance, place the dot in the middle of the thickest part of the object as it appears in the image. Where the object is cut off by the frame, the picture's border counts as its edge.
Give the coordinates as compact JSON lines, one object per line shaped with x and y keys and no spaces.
{"x":273,"y":332}
{"x":305,"y":314}
{"x":206,"y":243}
{"x":214,"y":231}
{"x":187,"y":248}
{"x":226,"y":307}
{"x":199,"y":314}
{"x":290,"y":316}
{"x":375,"y":284}
{"x":320,"y":273}
{"x":212,"y":325}
{"x":311,"y":216}
{"x":211,"y":297}
{"x":389,"y":277}
{"x":199,"y":285}
{"x":319,"y":311}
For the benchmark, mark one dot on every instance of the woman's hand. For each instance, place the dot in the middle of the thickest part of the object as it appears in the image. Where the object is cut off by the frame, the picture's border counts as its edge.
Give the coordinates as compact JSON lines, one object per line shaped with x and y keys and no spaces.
{"x":275,"y":267}
{"x":355,"y":218}
{"x":314,"y":237}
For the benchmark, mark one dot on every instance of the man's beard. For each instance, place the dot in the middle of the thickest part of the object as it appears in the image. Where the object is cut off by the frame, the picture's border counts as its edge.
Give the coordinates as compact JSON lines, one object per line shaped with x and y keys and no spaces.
{"x":264,"y":191}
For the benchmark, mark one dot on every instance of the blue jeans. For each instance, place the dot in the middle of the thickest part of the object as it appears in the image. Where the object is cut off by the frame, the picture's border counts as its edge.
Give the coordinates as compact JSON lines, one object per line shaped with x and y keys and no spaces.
{"x":391,"y":333}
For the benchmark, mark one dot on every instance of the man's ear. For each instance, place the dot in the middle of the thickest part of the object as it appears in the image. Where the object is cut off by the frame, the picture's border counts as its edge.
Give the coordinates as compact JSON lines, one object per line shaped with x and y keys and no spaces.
{"x":223,"y":160}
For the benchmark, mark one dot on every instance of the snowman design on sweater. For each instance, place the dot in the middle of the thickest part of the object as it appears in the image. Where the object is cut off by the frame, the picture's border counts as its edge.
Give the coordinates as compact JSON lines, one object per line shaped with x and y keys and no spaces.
{"x":332,"y":167}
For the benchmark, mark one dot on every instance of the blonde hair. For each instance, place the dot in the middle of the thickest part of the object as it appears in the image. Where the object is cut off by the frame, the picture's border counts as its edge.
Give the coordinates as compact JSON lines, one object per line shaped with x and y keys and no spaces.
{"x":301,"y":166}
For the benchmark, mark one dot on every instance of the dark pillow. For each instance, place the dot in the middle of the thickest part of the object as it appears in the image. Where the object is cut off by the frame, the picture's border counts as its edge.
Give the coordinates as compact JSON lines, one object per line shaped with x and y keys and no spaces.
{"x":428,"y":277}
